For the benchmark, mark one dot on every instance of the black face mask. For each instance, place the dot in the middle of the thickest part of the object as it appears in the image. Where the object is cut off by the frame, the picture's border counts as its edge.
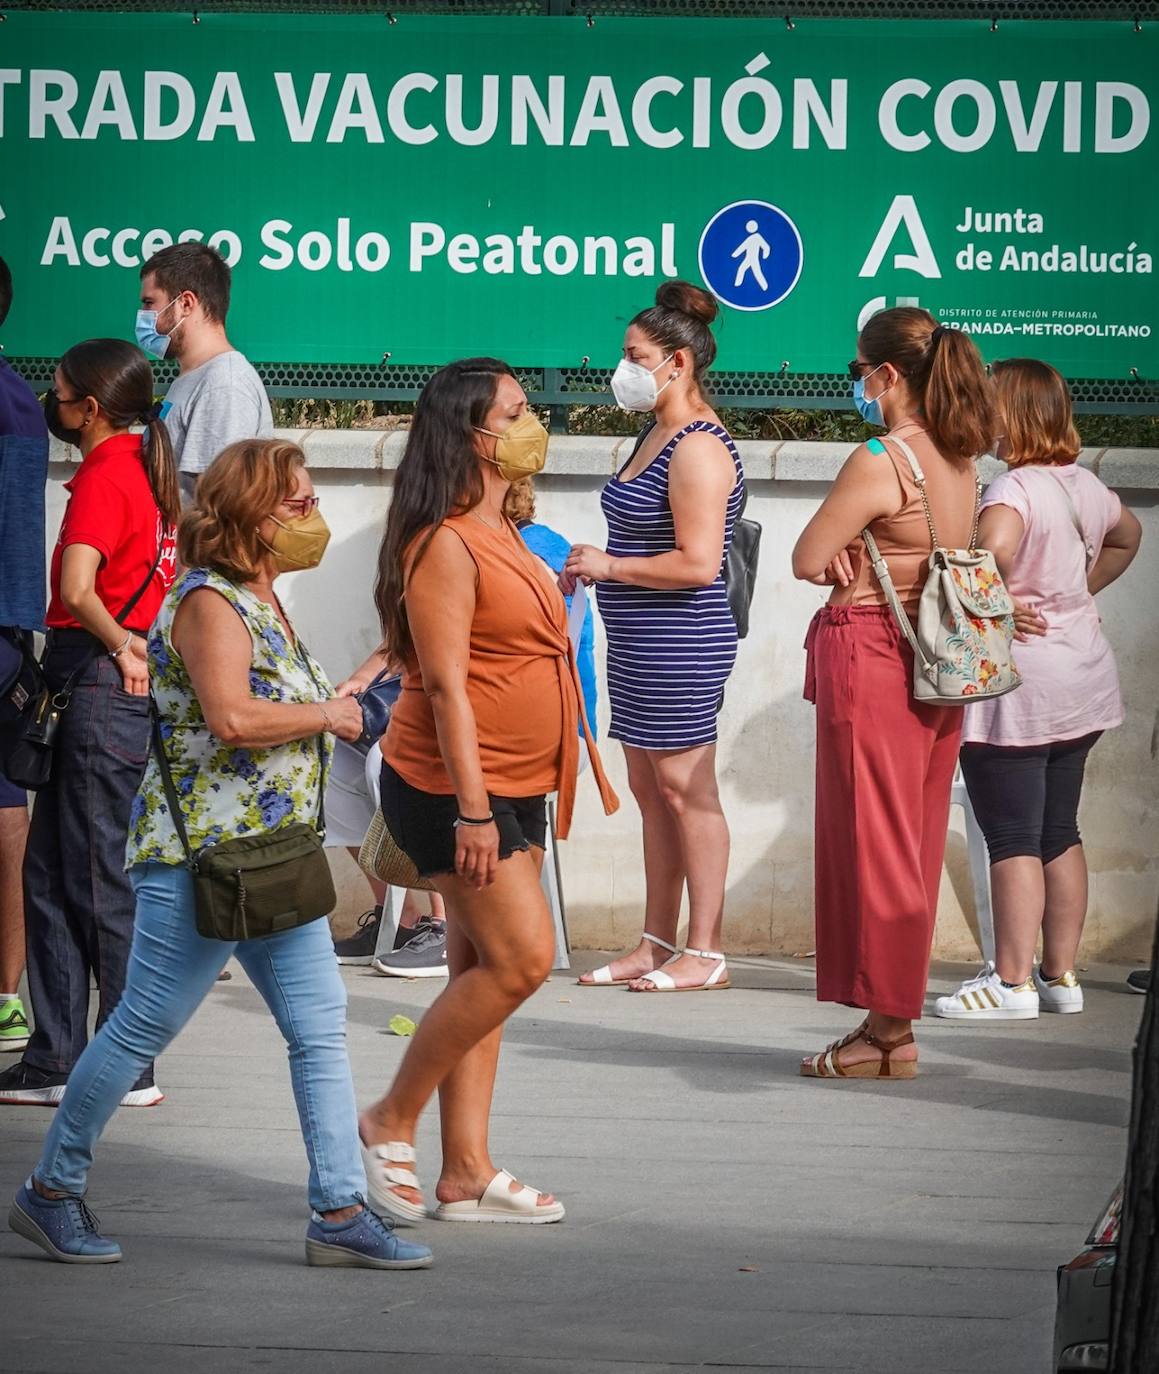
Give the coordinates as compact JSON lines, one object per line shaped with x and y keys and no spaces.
{"x":53,"y":421}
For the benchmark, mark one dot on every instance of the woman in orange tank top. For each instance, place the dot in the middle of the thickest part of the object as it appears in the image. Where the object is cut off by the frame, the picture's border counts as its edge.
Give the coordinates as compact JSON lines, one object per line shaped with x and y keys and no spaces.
{"x":486,"y":724}
{"x":885,"y":763}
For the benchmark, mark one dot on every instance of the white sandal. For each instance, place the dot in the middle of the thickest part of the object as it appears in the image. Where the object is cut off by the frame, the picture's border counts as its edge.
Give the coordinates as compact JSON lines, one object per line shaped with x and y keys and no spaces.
{"x":602,"y":976}
{"x":664,"y":982}
{"x":382,"y":1177}
{"x":500,"y":1204}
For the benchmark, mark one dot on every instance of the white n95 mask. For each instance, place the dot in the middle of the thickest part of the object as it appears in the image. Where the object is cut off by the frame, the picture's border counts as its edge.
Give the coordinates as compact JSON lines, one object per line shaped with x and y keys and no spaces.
{"x":634,"y":385}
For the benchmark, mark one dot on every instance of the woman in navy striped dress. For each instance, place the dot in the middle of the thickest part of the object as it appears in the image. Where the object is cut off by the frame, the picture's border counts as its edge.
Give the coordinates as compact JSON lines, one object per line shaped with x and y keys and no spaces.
{"x":671,"y":637}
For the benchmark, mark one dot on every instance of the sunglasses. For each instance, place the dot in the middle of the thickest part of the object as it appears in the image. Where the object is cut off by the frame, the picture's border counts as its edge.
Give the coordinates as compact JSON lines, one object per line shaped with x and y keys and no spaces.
{"x":856,"y":367}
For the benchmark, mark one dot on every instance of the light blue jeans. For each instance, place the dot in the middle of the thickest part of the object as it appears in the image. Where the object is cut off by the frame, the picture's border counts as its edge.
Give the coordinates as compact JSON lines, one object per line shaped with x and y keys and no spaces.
{"x":171,"y":969}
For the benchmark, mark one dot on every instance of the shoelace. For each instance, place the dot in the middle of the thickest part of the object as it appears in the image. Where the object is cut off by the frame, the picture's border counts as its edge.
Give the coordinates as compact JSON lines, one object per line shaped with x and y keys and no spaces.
{"x":983,"y":977}
{"x":368,"y":918}
{"x":426,"y":933}
{"x":82,"y":1215}
{"x":383,"y":1225}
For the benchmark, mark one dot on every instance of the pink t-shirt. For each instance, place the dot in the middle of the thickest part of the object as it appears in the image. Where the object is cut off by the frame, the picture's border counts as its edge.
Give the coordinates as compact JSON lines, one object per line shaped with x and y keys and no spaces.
{"x":1070,"y":685}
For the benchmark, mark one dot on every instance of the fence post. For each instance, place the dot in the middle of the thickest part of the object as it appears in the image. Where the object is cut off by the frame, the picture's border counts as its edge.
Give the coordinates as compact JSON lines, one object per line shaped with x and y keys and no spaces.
{"x":556,"y":410}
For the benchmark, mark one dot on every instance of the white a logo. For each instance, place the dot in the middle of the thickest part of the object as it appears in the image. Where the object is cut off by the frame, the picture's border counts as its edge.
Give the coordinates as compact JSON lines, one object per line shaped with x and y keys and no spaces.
{"x":903,"y":211}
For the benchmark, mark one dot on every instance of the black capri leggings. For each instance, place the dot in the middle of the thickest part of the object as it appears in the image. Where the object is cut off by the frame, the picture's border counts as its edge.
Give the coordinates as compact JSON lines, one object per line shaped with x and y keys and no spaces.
{"x":1027,"y":800}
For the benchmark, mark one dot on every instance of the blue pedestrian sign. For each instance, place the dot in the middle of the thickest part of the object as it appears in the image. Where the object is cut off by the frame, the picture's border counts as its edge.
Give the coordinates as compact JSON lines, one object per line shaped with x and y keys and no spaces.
{"x":751,"y":255}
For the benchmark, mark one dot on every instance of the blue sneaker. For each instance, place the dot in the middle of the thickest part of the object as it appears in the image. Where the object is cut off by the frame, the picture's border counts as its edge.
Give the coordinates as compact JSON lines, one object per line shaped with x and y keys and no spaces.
{"x":63,"y":1227}
{"x":366,"y":1241}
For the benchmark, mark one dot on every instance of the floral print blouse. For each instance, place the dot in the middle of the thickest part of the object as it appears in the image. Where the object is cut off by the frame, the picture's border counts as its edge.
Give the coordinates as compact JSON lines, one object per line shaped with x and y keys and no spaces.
{"x":225,"y":791}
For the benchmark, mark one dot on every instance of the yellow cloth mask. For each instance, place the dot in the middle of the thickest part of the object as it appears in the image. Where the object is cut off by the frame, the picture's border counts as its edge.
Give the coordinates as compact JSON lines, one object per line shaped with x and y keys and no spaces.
{"x":520,"y":450}
{"x":299,"y":543}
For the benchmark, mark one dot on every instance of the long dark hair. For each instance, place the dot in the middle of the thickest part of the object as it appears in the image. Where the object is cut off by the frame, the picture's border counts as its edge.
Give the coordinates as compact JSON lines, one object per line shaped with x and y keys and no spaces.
{"x":118,"y":377}
{"x":438,"y":476}
{"x":945,"y":372}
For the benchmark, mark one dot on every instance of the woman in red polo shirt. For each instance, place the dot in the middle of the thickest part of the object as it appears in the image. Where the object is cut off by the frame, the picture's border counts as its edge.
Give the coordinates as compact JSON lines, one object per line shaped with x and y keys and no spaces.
{"x":114,"y":561}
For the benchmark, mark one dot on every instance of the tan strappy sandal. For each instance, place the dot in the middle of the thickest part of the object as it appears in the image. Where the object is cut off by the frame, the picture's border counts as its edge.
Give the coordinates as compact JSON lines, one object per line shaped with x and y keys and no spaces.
{"x":827,"y":1065}
{"x":602,"y":977}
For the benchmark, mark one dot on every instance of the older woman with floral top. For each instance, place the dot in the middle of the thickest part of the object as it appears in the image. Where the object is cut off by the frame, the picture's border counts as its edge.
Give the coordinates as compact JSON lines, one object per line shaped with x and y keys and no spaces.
{"x":244,"y":713}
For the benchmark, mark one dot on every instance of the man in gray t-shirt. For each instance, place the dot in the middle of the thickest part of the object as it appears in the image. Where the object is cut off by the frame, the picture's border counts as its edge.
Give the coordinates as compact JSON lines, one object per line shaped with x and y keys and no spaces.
{"x":217,"y":398}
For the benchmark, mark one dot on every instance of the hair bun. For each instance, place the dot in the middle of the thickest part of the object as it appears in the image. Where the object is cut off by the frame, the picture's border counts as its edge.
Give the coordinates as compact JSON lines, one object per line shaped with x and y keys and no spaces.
{"x":687,"y":299}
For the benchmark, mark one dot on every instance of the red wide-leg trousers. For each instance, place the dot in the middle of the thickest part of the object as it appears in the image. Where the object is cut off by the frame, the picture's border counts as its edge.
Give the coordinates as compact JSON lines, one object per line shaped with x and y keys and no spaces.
{"x":885,"y":764}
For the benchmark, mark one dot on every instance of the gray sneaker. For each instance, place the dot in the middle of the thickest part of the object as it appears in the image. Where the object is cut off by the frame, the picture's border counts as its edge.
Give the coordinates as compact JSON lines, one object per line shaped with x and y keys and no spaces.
{"x":423,"y":956}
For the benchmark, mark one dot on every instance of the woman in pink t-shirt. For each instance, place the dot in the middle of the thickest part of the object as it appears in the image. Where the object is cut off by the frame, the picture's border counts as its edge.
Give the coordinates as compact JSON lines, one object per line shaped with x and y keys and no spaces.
{"x":1059,"y":536}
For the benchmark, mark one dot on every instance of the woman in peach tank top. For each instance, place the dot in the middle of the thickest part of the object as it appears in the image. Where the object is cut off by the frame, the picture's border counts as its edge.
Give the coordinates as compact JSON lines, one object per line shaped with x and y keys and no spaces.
{"x":486,"y":724}
{"x":885,"y":762}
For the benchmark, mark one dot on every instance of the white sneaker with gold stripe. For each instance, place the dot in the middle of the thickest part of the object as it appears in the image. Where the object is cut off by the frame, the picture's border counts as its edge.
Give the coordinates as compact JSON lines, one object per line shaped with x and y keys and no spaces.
{"x":1059,"y":994}
{"x":987,"y":998}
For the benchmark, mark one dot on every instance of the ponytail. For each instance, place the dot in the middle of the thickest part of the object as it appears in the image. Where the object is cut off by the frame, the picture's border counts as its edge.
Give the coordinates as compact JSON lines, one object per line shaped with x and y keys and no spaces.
{"x":959,"y":398}
{"x":161,"y":468}
{"x":944,"y":371}
{"x":118,"y":377}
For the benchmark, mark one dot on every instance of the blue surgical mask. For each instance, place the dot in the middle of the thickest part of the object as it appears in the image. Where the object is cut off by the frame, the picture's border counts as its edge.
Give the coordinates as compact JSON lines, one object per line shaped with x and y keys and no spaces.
{"x":149,"y":337}
{"x":870,"y":411}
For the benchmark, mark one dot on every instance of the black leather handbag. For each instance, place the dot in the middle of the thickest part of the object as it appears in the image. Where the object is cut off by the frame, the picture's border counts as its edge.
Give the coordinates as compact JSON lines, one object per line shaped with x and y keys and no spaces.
{"x":740,"y":569}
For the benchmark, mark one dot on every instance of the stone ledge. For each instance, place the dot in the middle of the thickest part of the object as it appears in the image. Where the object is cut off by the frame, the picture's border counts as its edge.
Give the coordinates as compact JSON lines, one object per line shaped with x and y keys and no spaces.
{"x":580,"y":455}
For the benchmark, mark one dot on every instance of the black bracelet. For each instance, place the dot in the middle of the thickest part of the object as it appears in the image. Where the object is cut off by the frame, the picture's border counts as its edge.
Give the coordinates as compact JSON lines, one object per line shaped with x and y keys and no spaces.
{"x":473,"y":820}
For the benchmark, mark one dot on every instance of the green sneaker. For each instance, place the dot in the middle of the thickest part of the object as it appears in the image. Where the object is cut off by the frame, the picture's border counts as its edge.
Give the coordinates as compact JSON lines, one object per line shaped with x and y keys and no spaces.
{"x":13,"y":1025}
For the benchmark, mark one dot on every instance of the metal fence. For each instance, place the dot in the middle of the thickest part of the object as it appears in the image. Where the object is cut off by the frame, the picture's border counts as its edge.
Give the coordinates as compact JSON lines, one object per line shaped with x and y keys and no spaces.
{"x":784,"y":11}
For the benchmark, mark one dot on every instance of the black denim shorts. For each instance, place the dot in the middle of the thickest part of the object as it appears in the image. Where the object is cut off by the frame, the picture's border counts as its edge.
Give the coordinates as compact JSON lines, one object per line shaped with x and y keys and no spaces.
{"x":423,"y":823}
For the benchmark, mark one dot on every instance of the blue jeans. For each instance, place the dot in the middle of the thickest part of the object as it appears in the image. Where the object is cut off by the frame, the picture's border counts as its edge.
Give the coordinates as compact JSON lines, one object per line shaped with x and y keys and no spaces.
{"x":171,"y":969}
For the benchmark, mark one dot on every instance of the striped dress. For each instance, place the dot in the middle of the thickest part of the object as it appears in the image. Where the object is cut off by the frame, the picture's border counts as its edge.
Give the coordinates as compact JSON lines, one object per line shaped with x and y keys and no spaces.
{"x":669,"y":652}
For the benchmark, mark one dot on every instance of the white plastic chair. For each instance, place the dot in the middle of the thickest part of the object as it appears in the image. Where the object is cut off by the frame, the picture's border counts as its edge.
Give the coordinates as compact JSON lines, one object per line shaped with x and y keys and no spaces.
{"x":552,"y":883}
{"x":979,"y":857}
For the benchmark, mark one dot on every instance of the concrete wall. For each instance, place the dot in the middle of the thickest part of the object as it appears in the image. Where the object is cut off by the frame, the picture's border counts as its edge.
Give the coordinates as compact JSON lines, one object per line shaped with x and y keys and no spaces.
{"x":766,"y":744}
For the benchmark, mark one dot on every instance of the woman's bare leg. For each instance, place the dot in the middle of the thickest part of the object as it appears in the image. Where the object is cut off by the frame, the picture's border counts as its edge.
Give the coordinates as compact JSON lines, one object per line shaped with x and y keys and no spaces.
{"x":1018,"y":891}
{"x":686,"y":781}
{"x":508,"y":927}
{"x":663,"y":869}
{"x":465,"y":1097}
{"x":1065,"y":911}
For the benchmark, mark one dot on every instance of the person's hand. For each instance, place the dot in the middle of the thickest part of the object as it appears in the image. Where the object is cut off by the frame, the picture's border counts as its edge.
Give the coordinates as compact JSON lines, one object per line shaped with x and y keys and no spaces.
{"x":345,"y":718}
{"x":477,"y":853}
{"x":839,"y":572}
{"x":134,"y":666}
{"x":588,"y":564}
{"x":567,"y":582}
{"x":1027,"y":622}
{"x":352,"y":686}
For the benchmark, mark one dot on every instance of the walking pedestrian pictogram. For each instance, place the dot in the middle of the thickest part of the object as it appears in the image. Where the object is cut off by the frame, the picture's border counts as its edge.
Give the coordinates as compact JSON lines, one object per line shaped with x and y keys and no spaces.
{"x":751,"y":255}
{"x":751,"y":251}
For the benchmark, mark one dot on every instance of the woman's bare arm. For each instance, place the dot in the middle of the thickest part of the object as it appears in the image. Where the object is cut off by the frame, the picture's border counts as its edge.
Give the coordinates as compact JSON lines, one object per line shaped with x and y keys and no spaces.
{"x":1119,"y":549}
{"x":701,"y":477}
{"x":217,"y":651}
{"x":440,"y":606}
{"x":866,"y":488}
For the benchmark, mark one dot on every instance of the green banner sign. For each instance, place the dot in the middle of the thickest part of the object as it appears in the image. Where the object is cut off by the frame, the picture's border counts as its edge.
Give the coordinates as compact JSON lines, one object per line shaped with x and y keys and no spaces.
{"x":449,"y":185}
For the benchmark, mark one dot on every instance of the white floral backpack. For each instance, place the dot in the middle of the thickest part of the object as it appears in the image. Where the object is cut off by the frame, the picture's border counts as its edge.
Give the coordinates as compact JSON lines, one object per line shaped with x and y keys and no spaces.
{"x":962,"y":646}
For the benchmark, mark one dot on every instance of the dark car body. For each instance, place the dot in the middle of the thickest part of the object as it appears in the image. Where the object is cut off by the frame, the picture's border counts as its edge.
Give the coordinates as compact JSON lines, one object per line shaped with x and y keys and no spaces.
{"x":1082,"y":1324}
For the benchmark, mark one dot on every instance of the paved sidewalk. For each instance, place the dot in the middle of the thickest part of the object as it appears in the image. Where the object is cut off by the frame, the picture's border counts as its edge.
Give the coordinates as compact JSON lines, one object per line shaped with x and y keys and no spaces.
{"x":721,"y":1211}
